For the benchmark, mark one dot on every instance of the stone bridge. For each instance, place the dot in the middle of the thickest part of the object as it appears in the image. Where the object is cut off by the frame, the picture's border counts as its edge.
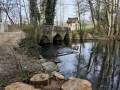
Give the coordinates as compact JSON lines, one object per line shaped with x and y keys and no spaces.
{"x":49,"y":34}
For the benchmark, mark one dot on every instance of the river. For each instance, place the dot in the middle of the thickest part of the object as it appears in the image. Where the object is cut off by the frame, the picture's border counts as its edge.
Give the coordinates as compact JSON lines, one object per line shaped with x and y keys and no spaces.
{"x":95,"y":61}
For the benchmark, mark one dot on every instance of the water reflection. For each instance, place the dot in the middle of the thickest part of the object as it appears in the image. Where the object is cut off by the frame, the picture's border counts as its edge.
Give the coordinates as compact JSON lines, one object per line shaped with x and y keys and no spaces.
{"x":98,"y":62}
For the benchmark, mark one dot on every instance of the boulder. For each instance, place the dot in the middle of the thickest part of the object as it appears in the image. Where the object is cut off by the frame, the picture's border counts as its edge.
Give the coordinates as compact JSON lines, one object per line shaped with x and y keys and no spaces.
{"x":40,"y":78}
{"x":69,"y":78}
{"x":59,"y":76}
{"x":42,"y":60}
{"x":41,"y":57}
{"x":57,"y":61}
{"x":19,"y":86}
{"x":50,"y":66}
{"x":76,"y":84}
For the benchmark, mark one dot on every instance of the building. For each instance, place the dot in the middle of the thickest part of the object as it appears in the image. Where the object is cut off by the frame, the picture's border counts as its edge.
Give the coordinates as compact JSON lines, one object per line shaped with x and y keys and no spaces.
{"x":73,"y":23}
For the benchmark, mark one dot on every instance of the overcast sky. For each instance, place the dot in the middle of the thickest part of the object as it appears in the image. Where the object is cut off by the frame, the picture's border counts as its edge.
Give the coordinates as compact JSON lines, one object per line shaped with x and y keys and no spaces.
{"x":67,"y":9}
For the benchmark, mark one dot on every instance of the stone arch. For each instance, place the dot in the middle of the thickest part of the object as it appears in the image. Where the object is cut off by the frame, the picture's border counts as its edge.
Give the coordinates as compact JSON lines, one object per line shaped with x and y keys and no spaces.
{"x":44,"y":39}
{"x":57,"y":37}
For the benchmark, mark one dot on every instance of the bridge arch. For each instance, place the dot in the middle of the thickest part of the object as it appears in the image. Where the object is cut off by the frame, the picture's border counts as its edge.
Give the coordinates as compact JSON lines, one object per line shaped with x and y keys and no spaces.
{"x":57,"y":37}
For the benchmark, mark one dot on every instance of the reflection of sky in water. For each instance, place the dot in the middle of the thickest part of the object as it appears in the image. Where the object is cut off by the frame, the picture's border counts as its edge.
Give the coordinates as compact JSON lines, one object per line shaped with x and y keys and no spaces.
{"x":68,"y":66}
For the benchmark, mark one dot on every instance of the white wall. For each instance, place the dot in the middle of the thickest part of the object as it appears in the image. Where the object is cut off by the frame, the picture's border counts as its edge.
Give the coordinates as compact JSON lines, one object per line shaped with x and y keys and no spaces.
{"x":74,"y":26}
{"x":3,"y":27}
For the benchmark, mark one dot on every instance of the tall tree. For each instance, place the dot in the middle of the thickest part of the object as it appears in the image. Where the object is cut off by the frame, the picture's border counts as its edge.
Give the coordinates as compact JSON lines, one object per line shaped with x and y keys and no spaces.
{"x":92,"y":11}
{"x":43,"y":9}
{"x":34,"y":17}
{"x":34,"y":12}
{"x":50,"y":12}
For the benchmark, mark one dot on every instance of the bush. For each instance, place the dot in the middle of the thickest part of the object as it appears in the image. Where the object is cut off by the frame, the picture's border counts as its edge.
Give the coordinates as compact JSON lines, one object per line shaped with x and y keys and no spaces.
{"x":29,"y":30}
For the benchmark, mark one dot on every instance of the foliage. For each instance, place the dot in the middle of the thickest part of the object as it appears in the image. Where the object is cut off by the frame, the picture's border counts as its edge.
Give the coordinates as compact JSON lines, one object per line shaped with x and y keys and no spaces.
{"x":50,"y":12}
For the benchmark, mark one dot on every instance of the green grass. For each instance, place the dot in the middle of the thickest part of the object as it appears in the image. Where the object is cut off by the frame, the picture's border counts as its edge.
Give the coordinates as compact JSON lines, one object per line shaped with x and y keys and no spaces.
{"x":89,"y":26}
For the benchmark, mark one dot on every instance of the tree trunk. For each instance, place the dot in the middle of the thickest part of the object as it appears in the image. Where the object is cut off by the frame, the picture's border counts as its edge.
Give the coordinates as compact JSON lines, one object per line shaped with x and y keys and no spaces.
{"x":20,"y":13}
{"x":43,"y":8}
{"x":12,"y":22}
{"x":116,"y":18}
{"x":79,"y":15}
{"x":92,"y":12}
{"x":25,"y":11}
{"x":98,"y":15}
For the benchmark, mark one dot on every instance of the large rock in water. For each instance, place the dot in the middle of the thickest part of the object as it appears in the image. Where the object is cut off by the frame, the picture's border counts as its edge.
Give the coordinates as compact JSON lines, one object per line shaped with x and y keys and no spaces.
{"x":76,"y":84}
{"x":50,"y":66}
{"x":19,"y":86}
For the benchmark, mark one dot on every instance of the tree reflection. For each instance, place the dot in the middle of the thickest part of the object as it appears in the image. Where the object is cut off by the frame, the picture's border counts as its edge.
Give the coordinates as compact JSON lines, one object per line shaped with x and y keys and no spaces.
{"x":102,"y":68}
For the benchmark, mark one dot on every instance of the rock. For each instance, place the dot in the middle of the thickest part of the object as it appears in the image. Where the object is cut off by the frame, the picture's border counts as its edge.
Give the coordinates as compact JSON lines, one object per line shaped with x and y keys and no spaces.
{"x":19,"y":86}
{"x":76,"y":84}
{"x":69,"y":78}
{"x":50,"y":66}
{"x":40,"y":78}
{"x":57,"y":61}
{"x":41,"y":57}
{"x":59,"y":76}
{"x":42,"y":60}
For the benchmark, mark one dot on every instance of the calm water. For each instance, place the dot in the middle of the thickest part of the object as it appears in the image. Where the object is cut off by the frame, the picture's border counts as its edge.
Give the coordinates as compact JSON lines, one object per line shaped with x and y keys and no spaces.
{"x":95,"y":61}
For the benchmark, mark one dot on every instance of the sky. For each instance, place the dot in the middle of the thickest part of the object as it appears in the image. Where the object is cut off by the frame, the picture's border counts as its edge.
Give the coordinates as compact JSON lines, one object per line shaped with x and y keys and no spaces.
{"x":66,"y":9}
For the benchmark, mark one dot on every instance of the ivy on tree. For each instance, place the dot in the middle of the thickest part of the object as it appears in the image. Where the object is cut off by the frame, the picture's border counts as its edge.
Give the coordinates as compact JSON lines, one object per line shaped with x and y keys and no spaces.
{"x":50,"y":12}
